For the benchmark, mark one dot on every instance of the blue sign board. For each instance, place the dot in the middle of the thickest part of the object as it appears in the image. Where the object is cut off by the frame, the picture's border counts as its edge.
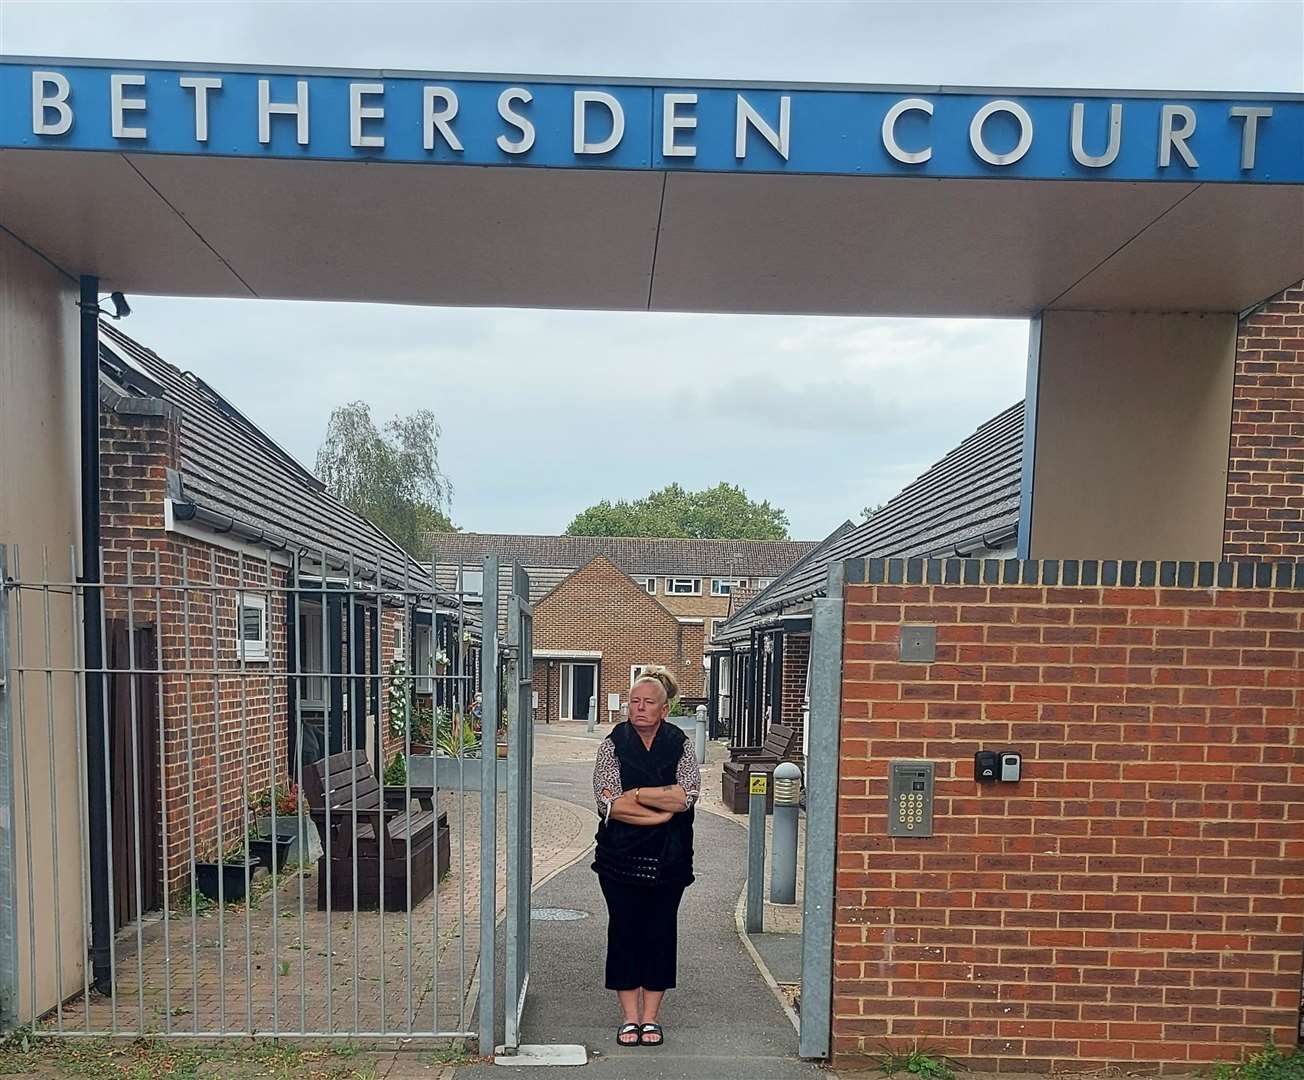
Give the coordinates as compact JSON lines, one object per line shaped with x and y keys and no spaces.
{"x":495,"y":120}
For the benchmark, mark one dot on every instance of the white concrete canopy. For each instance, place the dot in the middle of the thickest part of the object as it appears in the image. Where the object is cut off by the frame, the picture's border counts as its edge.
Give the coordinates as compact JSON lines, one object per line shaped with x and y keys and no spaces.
{"x":649,"y":240}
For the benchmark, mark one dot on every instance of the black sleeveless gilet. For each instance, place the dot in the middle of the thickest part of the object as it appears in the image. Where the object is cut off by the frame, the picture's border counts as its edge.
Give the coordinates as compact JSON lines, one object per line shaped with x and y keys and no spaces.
{"x":647,"y":854}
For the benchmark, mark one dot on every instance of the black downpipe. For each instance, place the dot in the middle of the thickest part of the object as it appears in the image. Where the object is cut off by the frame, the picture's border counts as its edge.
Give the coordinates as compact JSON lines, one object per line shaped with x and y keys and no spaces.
{"x":92,"y":608}
{"x":754,"y":691}
{"x":292,"y":680}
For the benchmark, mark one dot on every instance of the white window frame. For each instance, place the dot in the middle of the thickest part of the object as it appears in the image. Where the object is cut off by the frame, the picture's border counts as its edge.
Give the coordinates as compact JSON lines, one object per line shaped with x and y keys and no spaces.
{"x":311,"y":662}
{"x":252,"y":649}
{"x":423,"y":666}
{"x":723,"y":586}
{"x":565,"y":687}
{"x":763,"y":583}
{"x":472,"y":582}
{"x":400,"y":642}
{"x":635,"y":670}
{"x":695,"y":586}
{"x":711,"y":625}
{"x":647,"y":584}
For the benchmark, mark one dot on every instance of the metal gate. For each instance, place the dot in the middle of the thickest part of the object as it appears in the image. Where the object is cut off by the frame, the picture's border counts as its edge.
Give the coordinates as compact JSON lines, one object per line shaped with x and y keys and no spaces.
{"x":312,"y":819}
{"x":520,"y":840}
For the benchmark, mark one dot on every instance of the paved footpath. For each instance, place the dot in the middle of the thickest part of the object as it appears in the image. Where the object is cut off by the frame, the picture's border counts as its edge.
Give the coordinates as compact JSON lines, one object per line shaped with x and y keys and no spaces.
{"x":721,"y":1022}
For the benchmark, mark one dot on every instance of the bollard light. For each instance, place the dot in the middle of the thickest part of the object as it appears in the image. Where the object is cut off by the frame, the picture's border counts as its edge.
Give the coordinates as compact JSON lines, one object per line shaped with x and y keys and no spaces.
{"x":783,"y":867}
{"x":787,"y":784}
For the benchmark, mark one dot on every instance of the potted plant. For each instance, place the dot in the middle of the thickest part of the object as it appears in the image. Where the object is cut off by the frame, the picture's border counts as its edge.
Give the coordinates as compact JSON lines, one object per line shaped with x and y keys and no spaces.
{"x":233,"y":868}
{"x":297,"y":839}
{"x":502,"y":736}
{"x":457,"y":739}
{"x":424,"y":728}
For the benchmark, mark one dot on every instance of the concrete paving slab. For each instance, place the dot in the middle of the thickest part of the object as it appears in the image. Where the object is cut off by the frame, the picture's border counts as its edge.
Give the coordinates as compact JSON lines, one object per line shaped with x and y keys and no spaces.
{"x":722,"y":1021}
{"x":781,"y":954}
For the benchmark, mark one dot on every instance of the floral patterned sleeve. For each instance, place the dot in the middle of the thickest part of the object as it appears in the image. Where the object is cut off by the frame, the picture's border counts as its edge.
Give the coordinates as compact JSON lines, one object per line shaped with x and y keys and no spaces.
{"x":606,"y":779}
{"x":688,"y":775}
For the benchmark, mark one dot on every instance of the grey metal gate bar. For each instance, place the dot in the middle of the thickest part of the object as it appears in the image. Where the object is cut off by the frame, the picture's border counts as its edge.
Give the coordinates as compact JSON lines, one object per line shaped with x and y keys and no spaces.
{"x":520,"y":840}
{"x":8,"y":818}
{"x":490,"y":686}
{"x":821,"y":820}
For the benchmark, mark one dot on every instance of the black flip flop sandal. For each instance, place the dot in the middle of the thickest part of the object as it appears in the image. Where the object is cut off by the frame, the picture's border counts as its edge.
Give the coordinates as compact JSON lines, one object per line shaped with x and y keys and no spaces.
{"x":654,"y":1029}
{"x":629,"y":1029}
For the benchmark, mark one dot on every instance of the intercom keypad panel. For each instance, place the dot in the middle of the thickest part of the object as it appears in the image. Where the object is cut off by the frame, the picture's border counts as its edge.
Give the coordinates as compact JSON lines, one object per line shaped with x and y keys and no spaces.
{"x":910,"y":799}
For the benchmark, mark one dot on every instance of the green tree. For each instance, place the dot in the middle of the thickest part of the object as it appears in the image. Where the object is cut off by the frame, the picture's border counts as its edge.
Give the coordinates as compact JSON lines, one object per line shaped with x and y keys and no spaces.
{"x":391,"y":478}
{"x":723,"y":512}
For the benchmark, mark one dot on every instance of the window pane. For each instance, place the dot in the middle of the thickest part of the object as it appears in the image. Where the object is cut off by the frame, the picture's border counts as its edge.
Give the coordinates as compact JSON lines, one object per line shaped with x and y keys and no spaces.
{"x":473,"y":582}
{"x":251,"y":623}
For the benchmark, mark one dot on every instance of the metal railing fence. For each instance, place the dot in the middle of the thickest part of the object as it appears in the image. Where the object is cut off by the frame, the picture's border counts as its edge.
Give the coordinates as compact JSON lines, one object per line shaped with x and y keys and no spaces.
{"x":249,"y":704}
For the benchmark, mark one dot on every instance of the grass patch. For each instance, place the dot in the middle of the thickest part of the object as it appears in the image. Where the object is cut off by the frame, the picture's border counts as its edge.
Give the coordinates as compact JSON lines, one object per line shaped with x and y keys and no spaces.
{"x":28,"y":1054}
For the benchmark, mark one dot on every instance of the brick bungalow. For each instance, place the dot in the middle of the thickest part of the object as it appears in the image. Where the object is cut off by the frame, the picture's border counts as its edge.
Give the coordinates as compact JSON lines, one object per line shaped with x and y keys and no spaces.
{"x":591,"y":649}
{"x":272,"y":612}
{"x":598,"y":620}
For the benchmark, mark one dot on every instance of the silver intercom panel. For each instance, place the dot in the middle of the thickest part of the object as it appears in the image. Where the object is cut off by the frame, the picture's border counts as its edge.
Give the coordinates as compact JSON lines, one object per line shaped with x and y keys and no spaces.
{"x":910,"y":799}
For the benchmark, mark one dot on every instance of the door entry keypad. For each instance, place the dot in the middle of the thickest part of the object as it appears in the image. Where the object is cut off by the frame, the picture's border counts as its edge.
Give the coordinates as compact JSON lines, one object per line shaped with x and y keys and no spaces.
{"x":910,"y":799}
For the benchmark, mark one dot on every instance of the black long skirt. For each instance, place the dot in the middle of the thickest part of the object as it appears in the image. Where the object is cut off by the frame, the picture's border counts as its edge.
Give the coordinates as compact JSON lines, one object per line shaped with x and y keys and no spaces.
{"x":642,"y":935}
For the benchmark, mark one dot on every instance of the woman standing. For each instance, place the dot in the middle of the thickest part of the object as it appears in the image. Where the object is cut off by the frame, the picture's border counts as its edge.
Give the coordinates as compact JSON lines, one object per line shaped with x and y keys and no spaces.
{"x":645,"y":781}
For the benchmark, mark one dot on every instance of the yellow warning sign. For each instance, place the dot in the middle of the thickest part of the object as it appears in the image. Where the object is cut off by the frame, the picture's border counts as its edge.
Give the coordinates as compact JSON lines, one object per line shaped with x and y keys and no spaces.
{"x":759,"y":783}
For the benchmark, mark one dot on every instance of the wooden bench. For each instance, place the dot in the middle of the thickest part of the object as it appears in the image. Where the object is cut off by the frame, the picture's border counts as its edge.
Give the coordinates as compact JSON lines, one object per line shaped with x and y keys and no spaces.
{"x":782,"y":743}
{"x":368,"y":824}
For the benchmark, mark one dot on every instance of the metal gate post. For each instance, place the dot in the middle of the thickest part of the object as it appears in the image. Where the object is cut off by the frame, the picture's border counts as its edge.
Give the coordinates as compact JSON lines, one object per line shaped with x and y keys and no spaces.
{"x":490,"y":675}
{"x":520,"y":846}
{"x":8,"y":818}
{"x":821,"y":820}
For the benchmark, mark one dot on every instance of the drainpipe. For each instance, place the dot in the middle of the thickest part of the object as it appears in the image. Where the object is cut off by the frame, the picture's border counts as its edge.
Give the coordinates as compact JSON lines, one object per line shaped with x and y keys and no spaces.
{"x":92,"y":607}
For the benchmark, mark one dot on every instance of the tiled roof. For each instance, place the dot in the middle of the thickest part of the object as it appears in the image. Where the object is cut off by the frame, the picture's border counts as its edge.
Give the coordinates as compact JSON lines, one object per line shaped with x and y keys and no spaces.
{"x":966,"y":504}
{"x":231,"y":469}
{"x":634,"y":555}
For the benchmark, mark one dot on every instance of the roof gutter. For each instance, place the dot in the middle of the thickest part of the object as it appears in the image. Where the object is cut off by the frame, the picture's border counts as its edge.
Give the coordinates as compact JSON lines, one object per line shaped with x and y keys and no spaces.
{"x":183,"y":510}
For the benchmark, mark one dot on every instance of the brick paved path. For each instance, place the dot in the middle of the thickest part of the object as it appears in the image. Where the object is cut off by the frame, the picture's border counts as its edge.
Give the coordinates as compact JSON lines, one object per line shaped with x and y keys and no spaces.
{"x":274,"y":965}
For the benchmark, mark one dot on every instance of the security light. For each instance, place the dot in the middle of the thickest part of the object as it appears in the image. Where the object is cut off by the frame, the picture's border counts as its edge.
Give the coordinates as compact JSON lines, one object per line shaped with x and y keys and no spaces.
{"x":121,"y":309}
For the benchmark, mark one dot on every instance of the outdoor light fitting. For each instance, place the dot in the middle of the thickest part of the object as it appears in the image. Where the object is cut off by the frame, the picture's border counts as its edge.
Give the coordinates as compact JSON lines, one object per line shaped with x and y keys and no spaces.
{"x":121,"y":309}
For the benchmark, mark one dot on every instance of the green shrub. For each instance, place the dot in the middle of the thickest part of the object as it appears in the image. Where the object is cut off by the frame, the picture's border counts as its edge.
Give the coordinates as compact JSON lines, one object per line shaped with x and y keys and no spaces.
{"x":395,"y":772}
{"x":1267,"y":1063}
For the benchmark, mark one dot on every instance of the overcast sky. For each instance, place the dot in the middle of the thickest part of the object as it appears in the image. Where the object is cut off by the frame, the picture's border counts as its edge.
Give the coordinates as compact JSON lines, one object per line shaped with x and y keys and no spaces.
{"x":544,"y":413}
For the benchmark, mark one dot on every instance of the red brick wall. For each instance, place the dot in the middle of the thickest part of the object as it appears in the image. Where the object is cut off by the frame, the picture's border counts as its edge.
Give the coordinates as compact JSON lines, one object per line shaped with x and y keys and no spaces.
{"x":1139,"y":896}
{"x":796,"y":655}
{"x":598,"y":608}
{"x":217,"y":708}
{"x":1265,"y":482}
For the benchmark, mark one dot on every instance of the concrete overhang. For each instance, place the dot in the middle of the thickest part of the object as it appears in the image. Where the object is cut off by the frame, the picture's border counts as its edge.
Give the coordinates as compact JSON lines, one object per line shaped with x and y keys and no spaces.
{"x":661,"y":234}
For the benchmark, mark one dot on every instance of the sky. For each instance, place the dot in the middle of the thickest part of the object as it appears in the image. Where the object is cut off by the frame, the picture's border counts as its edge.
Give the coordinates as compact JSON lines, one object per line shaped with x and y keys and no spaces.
{"x":545,"y":412}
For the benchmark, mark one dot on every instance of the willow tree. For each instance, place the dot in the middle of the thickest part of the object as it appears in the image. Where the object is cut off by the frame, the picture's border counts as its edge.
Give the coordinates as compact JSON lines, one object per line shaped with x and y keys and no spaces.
{"x":389,"y":476}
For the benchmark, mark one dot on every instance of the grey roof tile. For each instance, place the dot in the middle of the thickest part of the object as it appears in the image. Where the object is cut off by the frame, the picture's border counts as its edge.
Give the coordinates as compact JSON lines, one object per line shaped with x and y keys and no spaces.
{"x":230,"y":467}
{"x":968,"y":499}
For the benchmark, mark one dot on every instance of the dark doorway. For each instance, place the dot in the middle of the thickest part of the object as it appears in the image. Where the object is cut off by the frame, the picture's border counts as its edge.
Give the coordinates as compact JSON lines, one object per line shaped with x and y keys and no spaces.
{"x":134,"y":773}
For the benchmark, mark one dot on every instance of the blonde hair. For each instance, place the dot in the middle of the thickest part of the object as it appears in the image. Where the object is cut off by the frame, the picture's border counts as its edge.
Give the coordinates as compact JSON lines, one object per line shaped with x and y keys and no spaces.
{"x":662,"y":677}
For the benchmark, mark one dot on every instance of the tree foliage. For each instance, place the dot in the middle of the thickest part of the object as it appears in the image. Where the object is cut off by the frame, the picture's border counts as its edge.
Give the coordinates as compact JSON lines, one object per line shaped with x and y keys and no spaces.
{"x":391,"y":478}
{"x":723,"y":512}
